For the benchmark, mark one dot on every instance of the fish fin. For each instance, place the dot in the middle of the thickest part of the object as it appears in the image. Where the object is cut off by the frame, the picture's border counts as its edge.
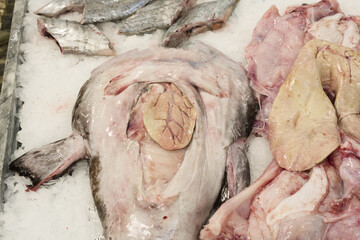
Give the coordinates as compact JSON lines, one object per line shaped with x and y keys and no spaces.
{"x":50,"y":161}
{"x":237,"y":167}
{"x":237,"y":174}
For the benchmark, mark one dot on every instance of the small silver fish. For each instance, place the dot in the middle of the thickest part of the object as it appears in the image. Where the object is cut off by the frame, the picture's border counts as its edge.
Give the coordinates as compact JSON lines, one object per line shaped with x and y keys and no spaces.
{"x":109,"y":10}
{"x":58,"y":7}
{"x":205,"y":16}
{"x":157,"y":15}
{"x":73,"y":37}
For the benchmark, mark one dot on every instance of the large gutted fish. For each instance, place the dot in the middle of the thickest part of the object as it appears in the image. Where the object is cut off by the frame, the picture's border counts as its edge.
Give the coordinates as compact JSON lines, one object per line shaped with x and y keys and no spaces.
{"x":157,"y":126}
{"x":108,"y":10}
{"x":205,"y":16}
{"x":157,"y":15}
{"x":73,"y":37}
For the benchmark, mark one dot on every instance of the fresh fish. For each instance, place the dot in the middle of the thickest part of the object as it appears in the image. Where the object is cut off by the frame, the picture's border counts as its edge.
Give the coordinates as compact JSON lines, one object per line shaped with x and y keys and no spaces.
{"x":156,"y":125}
{"x":205,"y":16}
{"x":157,"y":15}
{"x":109,"y":10}
{"x":73,"y":37}
{"x":292,"y":205}
{"x":231,"y":220}
{"x":56,"y":8}
{"x":237,"y":173}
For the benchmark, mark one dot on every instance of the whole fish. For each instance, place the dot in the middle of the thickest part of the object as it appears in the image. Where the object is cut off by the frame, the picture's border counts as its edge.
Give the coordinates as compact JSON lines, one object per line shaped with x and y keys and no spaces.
{"x":203,"y":17}
{"x":72,"y":37}
{"x":109,"y":10}
{"x":157,"y":126}
{"x":56,"y":8}
{"x":157,"y":15}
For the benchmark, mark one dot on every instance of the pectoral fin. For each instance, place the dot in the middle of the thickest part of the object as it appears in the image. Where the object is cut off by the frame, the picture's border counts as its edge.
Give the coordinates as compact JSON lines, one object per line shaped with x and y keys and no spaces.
{"x":50,"y":161}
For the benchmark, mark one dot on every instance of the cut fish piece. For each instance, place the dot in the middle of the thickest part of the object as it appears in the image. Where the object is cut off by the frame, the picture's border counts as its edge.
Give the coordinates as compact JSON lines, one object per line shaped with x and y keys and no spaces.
{"x":347,"y":227}
{"x":205,"y":16}
{"x":337,"y":29}
{"x":277,"y":40}
{"x":284,"y":185}
{"x":109,"y":10}
{"x":306,"y":200}
{"x":230,"y":220}
{"x":58,"y":7}
{"x":156,"y":15}
{"x":75,"y":38}
{"x":302,"y":226}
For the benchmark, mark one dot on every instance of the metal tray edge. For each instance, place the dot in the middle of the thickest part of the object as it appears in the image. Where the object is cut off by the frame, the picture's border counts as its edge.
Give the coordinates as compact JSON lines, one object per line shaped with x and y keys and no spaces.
{"x":8,"y":100}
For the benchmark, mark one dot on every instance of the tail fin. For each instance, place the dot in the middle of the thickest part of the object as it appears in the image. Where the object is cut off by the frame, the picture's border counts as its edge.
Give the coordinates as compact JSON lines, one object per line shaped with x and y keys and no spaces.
{"x":50,"y":161}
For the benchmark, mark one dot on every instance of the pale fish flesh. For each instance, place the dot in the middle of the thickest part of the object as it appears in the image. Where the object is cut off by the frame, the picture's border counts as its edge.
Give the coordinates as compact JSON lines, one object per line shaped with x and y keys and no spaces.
{"x":58,"y":7}
{"x":203,"y":17}
{"x":109,"y":10}
{"x":73,"y":37}
{"x":276,"y":41}
{"x":157,"y":15}
{"x":156,"y":125}
{"x":321,"y":204}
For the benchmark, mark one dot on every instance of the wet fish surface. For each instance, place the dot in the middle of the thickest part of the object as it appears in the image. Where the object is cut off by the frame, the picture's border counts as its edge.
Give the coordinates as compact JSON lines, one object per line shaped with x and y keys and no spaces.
{"x":203,"y":17}
{"x":276,"y":41}
{"x":72,"y":37}
{"x":109,"y":10}
{"x":157,"y":126}
{"x":237,"y":174}
{"x":56,"y":8}
{"x":159,"y":14}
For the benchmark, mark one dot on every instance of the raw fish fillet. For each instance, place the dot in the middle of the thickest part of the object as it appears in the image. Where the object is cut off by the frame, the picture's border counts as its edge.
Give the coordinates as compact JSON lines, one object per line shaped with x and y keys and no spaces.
{"x":75,"y":38}
{"x":156,"y":15}
{"x":203,"y":17}
{"x":157,"y":126}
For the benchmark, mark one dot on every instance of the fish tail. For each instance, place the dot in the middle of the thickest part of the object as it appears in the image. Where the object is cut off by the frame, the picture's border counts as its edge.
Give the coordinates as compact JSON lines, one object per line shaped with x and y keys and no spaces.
{"x":50,"y":161}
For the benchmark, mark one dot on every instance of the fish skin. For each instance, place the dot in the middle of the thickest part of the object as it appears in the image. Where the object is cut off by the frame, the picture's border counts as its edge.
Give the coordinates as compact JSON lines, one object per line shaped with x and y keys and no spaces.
{"x":237,"y":175}
{"x":58,"y":7}
{"x":109,"y":10}
{"x":179,"y":193}
{"x":238,"y":172}
{"x":50,"y":161}
{"x":157,"y":15}
{"x":212,"y":83}
{"x":203,"y":17}
{"x":88,"y":39}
